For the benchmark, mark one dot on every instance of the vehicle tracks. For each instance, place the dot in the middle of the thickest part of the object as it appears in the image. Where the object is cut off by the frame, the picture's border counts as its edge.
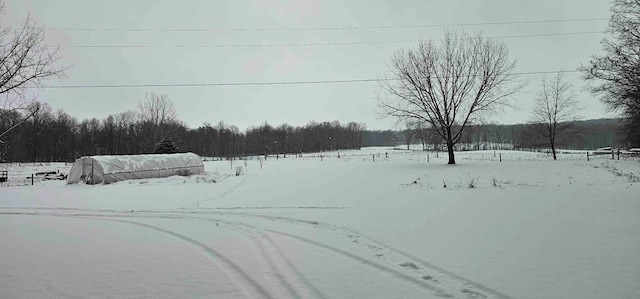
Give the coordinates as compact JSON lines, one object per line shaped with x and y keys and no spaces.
{"x":382,"y":257}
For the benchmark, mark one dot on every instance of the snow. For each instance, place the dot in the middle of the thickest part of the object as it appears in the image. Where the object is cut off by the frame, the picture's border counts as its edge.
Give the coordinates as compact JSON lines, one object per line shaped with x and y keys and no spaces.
{"x":348,"y":227}
{"x":109,"y":169}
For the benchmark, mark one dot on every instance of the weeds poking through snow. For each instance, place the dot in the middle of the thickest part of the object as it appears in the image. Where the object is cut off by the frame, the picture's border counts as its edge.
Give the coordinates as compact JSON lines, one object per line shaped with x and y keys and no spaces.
{"x":496,"y":183}
{"x":472,"y":182}
{"x":630,"y":176}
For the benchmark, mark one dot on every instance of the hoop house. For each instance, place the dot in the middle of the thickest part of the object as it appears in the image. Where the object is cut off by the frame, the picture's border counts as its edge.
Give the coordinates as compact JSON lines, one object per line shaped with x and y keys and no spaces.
{"x":109,"y":169}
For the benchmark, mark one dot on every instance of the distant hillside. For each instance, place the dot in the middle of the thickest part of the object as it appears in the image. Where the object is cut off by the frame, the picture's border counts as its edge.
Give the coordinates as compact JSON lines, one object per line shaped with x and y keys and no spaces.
{"x":382,"y":138}
{"x":587,"y":134}
{"x":597,"y":133}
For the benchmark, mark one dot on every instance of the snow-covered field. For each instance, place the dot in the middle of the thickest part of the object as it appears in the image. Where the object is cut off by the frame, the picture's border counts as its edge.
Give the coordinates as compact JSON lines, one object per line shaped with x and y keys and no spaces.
{"x":348,"y":227}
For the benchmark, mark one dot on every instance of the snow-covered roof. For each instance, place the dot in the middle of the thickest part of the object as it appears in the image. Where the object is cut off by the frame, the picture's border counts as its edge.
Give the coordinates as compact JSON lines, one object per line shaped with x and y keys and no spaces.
{"x":109,"y":169}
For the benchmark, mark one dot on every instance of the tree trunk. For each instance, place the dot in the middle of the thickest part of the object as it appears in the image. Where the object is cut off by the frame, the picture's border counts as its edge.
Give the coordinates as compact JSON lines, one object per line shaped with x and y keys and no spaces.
{"x":452,"y":159}
{"x":553,"y":150}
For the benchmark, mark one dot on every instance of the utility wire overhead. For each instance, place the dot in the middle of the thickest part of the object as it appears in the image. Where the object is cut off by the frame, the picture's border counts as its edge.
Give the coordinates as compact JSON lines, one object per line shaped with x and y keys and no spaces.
{"x":316,"y":44}
{"x":327,"y":28}
{"x":259,"y":83}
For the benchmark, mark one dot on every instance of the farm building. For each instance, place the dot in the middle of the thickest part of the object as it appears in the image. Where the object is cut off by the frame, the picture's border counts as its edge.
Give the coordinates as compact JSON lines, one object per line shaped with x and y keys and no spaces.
{"x":109,"y":169}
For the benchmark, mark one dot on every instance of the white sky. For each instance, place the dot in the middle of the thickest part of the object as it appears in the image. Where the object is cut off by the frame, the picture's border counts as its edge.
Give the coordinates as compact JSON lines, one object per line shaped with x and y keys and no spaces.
{"x":246,"y":106}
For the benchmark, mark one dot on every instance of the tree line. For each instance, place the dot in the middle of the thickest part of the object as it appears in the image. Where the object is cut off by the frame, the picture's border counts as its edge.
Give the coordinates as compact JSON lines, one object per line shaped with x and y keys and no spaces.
{"x":583,"y":135}
{"x":49,"y":135}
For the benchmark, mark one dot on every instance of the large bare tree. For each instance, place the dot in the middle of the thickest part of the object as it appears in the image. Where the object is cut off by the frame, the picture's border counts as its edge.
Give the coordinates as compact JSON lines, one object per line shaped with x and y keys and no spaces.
{"x":449,"y":84}
{"x":555,"y":110}
{"x":158,"y":117}
{"x":25,"y":61}
{"x":615,"y":75}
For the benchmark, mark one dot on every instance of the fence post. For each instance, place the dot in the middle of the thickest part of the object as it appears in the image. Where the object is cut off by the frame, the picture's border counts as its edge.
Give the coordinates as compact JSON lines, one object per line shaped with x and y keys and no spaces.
{"x":32,"y":179}
{"x":587,"y":156}
{"x":612,"y":157}
{"x":618,"y":154}
{"x":427,"y":158}
{"x":500,"y":157}
{"x":374,"y":157}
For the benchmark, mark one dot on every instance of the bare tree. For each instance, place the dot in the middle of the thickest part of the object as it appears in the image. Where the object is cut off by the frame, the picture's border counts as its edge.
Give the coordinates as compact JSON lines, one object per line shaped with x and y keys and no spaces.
{"x":555,"y":110}
{"x":25,"y":61}
{"x":157,"y":109}
{"x":615,"y":76}
{"x":157,"y":115}
{"x":449,"y":85}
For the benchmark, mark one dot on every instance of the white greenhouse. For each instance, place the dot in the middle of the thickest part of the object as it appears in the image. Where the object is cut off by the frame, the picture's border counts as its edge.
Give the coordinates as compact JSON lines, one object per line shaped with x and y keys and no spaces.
{"x":109,"y":169}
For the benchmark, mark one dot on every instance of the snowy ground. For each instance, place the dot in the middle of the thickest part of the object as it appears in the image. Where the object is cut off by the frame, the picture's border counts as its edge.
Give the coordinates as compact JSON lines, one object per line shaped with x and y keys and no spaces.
{"x":348,"y":227}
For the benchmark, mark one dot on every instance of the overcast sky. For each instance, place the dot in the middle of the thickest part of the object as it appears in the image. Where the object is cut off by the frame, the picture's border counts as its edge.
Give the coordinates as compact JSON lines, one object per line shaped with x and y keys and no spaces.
{"x":227,"y":55}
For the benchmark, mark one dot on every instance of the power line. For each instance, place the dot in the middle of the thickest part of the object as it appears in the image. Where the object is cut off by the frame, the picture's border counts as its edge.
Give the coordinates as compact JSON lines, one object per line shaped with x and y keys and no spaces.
{"x":317,"y":44}
{"x":259,"y":83}
{"x":326,"y":28}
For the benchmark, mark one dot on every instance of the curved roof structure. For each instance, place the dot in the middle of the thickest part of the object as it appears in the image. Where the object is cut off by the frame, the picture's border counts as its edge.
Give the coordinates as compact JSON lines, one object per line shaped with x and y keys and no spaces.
{"x":109,"y":169}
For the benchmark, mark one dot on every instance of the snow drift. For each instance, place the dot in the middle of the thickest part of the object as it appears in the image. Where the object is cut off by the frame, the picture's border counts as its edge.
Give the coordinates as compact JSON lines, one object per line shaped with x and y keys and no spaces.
{"x":109,"y":169}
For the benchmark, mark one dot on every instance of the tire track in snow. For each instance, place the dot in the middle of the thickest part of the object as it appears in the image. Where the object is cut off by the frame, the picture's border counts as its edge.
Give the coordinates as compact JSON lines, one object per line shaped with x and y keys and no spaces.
{"x":223,"y":194}
{"x":402,"y":276}
{"x":248,"y":229}
{"x":236,"y":226}
{"x":210,"y":252}
{"x":468,"y":286}
{"x":464,"y":285}
{"x":442,"y":277}
{"x":319,"y":294}
{"x":394,"y":273}
{"x":214,"y":256}
{"x":277,"y":208}
{"x":363,"y":261}
{"x":308,"y":283}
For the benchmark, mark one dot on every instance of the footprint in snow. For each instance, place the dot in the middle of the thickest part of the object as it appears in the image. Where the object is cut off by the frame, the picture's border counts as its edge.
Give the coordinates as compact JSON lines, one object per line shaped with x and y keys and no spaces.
{"x":473,"y":294}
{"x":430,"y":278}
{"x":373,"y":247}
{"x":409,"y":265}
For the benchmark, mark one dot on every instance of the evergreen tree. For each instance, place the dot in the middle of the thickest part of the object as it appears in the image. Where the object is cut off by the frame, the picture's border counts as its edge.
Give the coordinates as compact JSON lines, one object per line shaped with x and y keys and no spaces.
{"x":166,"y":146}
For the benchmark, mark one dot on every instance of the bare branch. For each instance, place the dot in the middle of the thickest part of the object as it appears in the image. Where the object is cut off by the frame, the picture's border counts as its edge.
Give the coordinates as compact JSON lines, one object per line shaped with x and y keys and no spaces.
{"x":25,"y":60}
{"x":445,"y":86}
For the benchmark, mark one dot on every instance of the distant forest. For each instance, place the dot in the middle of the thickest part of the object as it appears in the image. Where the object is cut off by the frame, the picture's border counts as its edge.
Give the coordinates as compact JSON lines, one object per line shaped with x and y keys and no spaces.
{"x":58,"y":136}
{"x":585,"y":134}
